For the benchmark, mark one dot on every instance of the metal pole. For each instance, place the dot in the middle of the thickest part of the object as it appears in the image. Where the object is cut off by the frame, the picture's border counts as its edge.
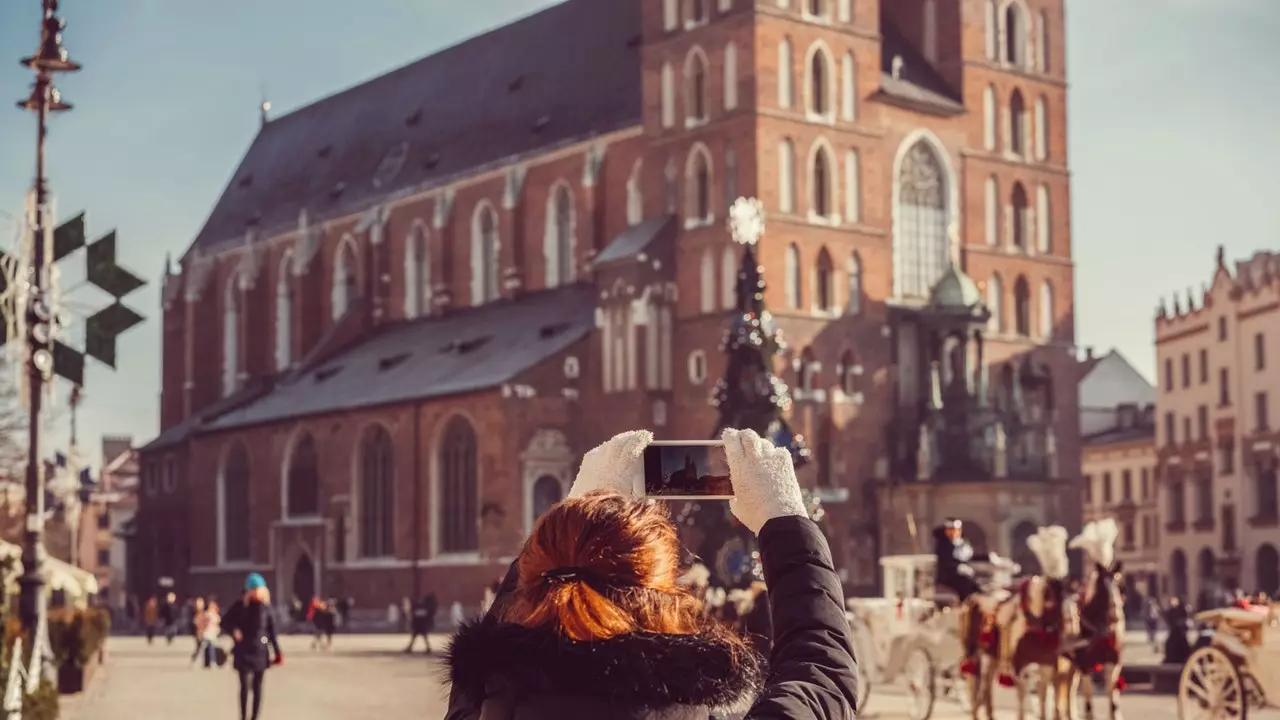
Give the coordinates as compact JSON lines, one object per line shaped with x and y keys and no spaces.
{"x":31,"y":582}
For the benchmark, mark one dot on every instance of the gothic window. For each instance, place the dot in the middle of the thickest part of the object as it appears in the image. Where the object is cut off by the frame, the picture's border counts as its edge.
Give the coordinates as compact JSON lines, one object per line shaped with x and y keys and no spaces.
{"x":793,"y":277}
{"x":560,"y":244}
{"x":992,"y":29}
{"x":698,"y":182}
{"x":990,"y":118}
{"x":707,"y":281}
{"x":823,"y":289}
{"x":417,"y":273}
{"x":1022,"y":307}
{"x":1042,"y":129}
{"x":698,"y":11}
{"x":1017,"y":124}
{"x":730,"y":76}
{"x":231,"y":319}
{"x":695,"y":78}
{"x":1044,"y":213}
{"x":852,"y":187}
{"x":1046,"y":310}
{"x":784,"y":74}
{"x":730,"y":177}
{"x":302,"y":494}
{"x":992,"y":215}
{"x":849,"y":374}
{"x":816,"y":8}
{"x":346,"y":278}
{"x":921,"y":249}
{"x":635,"y":195}
{"x":1042,"y":45}
{"x":546,"y":493}
{"x":806,"y":375}
{"x":820,"y":81}
{"x":236,"y":507}
{"x":1015,"y":30}
{"x":729,"y":278}
{"x":377,"y":494}
{"x":284,"y":312}
{"x":849,"y":88}
{"x":668,"y":96}
{"x":672,"y":187}
{"x":854,"y":306}
{"x":822,"y":190}
{"x":1019,"y":202}
{"x":459,"y":514}
{"x":995,"y":304}
{"x":484,"y":255}
{"x":1267,"y":570}
{"x":787,"y":176}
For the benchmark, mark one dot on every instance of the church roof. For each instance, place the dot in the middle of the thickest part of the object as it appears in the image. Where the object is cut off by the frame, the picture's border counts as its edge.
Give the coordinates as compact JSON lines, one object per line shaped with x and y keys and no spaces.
{"x":955,"y":291}
{"x":556,"y":77}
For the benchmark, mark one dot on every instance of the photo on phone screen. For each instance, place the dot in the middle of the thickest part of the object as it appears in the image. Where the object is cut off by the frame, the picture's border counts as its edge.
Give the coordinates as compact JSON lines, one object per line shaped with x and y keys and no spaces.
{"x":687,"y":470}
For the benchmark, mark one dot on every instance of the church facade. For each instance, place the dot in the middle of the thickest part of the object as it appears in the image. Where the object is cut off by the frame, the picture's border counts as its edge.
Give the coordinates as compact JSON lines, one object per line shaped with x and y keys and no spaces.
{"x":419,"y":301}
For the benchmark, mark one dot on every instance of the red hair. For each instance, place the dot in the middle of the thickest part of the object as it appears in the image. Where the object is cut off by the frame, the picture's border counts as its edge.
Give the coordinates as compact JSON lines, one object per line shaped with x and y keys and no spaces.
{"x":613,"y":564}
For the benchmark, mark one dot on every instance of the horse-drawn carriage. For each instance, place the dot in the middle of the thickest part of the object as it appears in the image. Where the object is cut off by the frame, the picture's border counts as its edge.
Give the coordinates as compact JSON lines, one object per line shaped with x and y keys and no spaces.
{"x":912,"y":632}
{"x":1238,"y":670}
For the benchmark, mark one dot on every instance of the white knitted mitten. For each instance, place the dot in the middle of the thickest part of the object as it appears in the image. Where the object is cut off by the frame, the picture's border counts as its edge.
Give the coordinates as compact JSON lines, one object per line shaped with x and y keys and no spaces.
{"x":764,"y":480}
{"x":616,"y":466}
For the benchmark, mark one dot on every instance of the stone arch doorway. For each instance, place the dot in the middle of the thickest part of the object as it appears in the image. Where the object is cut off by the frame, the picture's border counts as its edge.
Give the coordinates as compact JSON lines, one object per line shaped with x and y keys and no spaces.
{"x":303,"y":579}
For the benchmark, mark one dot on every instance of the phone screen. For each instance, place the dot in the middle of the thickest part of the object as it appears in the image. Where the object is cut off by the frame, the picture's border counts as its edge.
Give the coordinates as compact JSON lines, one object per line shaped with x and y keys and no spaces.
{"x":687,"y":470}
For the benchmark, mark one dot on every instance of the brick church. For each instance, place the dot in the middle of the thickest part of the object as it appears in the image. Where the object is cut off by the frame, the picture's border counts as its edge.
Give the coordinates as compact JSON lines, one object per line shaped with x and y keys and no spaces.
{"x":420,"y":300}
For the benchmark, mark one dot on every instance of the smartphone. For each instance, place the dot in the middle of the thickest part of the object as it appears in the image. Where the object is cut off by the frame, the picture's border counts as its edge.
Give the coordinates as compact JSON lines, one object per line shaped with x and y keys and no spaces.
{"x":687,"y":470}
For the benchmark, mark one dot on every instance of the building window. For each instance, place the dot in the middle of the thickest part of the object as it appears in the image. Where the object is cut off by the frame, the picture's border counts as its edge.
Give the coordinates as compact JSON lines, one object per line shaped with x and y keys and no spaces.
{"x":104,"y":519}
{"x":670,"y":14}
{"x":346,"y":278}
{"x":787,"y":176}
{"x":921,"y":247}
{"x":850,"y":372}
{"x":1266,"y":491}
{"x":1042,"y":129}
{"x":1204,"y":366}
{"x":929,"y":21}
{"x":698,"y":181}
{"x":1126,"y":485}
{"x":417,"y":273}
{"x":284,"y":313}
{"x":1224,"y":387}
{"x":668,"y":96}
{"x":1168,"y":373}
{"x":995,"y":304}
{"x":1146,"y":484}
{"x":1128,"y":535}
{"x":1088,"y":490}
{"x":547,"y":492}
{"x":695,"y":78}
{"x":707,"y":282}
{"x":1017,"y":124}
{"x":792,"y":270}
{"x":231,"y":316}
{"x":559,"y":245}
{"x":1204,"y":500}
{"x":1042,"y":47}
{"x":1022,"y":307}
{"x":1044,"y":220}
{"x":854,"y":306}
{"x":1186,"y":370}
{"x":992,"y":200}
{"x":729,"y":279}
{"x":822,"y":191}
{"x":1046,"y":310}
{"x":699,"y":12}
{"x":484,"y":255}
{"x":1169,"y":437}
{"x":635,"y":194}
{"x":992,"y":29}
{"x":823,"y":289}
{"x":1260,"y":412}
{"x":1019,"y":203}
{"x":1015,"y":28}
{"x":459,"y":509}
{"x":730,"y":177}
{"x":785,"y":71}
{"x":104,"y":557}
{"x":821,"y":83}
{"x":806,"y":375}
{"x":1259,"y":352}
{"x":1177,"y":503}
{"x":1186,"y":429}
{"x":1222,"y":329}
{"x":302,"y":497}
{"x":236,"y":507}
{"x":1227,"y":456}
{"x":849,"y":83}
{"x":990,"y":119}
{"x":852,"y":187}
{"x":816,"y":8}
{"x":730,"y":77}
{"x":1202,"y":422}
{"x":377,"y":494}
{"x":1106,"y":488}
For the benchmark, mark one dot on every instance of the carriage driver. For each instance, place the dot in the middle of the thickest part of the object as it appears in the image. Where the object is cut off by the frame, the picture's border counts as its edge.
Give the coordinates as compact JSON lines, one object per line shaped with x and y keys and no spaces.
{"x":954,"y":554}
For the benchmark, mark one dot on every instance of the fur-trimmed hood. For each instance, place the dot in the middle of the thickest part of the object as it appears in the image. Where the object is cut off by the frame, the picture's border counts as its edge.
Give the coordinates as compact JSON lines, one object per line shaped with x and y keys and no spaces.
{"x":641,"y":670}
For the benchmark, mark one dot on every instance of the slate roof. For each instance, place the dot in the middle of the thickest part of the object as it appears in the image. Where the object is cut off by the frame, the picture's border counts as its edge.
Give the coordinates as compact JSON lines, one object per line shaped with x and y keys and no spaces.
{"x":637,"y":239}
{"x":919,"y":85}
{"x":566,"y":73}
{"x":463,"y":351}
{"x":1120,"y":435}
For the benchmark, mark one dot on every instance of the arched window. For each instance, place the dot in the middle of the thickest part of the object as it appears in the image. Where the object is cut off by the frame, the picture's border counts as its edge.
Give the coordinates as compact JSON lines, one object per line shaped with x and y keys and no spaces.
{"x":729,"y":278}
{"x":921,"y":248}
{"x":707,"y":282}
{"x":284,"y":312}
{"x":231,"y":318}
{"x":235,"y":507}
{"x":695,"y":78}
{"x":484,"y":255}
{"x":1178,"y":574}
{"x":302,"y":492}
{"x":459,"y":514}
{"x":670,"y":14}
{"x":990,"y":118}
{"x":1044,"y":213}
{"x":635,"y":194}
{"x":854,"y":271}
{"x":560,"y":242}
{"x":668,"y":96}
{"x":1017,"y":124}
{"x":929,"y":21}
{"x":346,"y":278}
{"x":730,"y":77}
{"x":377,"y":494}
{"x":417,"y":273}
{"x":698,"y":181}
{"x":1267,"y":570}
{"x":1019,"y":204}
{"x":1042,"y":46}
{"x":992,"y":29}
{"x":816,"y":8}
{"x":820,"y":87}
{"x":995,"y":303}
{"x":698,"y":11}
{"x":730,"y":177}
{"x":849,"y":88}
{"x":992,"y":215}
{"x":850,"y":373}
{"x":806,"y":375}
{"x":785,"y":71}
{"x":822,"y":189}
{"x":671,"y":177}
{"x":546,"y":493}
{"x":1015,"y":35}
{"x":852,"y":187}
{"x":787,"y":176}
{"x":1022,"y":307}
{"x":1046,"y":310}
{"x":793,"y":277}
{"x":823,"y":289}
{"x":1042,"y":129}
{"x":845,"y":10}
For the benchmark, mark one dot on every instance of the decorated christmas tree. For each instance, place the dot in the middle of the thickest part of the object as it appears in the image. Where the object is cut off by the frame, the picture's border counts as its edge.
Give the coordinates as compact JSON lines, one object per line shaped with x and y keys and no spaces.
{"x":749,"y":396}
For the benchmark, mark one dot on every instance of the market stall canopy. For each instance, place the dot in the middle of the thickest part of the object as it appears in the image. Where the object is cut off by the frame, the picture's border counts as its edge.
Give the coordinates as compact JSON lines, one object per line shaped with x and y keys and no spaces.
{"x":59,"y":575}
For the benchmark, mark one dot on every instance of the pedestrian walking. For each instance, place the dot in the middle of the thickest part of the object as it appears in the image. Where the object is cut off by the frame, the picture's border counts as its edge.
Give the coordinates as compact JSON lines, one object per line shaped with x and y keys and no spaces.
{"x":193,"y":627}
{"x":251,"y":623}
{"x":322,"y":618}
{"x":1151,"y":616}
{"x":151,"y":618}
{"x":424,"y":619}
{"x":208,"y":628}
{"x":168,"y":617}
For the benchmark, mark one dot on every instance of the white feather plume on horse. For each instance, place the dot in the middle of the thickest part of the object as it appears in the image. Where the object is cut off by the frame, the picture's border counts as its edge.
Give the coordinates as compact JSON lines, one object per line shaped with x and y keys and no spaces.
{"x":1098,"y":541}
{"x":1049,"y":545}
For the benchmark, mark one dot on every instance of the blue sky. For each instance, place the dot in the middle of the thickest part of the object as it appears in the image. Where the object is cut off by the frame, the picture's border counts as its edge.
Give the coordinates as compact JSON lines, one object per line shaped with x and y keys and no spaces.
{"x":1172,"y":129}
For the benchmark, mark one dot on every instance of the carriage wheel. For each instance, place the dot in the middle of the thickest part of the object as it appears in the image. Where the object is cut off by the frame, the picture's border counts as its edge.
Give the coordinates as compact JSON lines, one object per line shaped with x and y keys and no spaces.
{"x":920,"y":677}
{"x":1211,"y":687}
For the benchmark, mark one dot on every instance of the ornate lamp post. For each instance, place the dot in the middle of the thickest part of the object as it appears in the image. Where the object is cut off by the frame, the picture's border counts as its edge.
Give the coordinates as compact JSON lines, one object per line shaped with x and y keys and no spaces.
{"x":51,"y":58}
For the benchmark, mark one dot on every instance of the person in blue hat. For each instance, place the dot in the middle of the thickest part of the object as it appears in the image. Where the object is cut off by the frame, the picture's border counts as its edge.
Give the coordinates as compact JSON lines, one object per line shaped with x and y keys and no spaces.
{"x":251,"y":623}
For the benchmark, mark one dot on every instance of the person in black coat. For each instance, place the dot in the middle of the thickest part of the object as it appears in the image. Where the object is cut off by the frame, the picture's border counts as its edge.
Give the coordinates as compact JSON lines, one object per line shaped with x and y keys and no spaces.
{"x":954,"y":554}
{"x":590,"y":621}
{"x":424,"y":618}
{"x":251,"y":623}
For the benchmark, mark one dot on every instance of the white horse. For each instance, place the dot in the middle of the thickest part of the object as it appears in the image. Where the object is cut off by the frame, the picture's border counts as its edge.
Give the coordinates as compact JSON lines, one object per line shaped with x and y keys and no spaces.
{"x":1100,"y":616}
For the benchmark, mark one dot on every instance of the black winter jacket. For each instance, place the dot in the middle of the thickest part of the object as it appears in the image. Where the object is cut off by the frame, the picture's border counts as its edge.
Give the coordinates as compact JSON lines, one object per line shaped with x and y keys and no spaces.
{"x":257,"y":625}
{"x":500,"y":671}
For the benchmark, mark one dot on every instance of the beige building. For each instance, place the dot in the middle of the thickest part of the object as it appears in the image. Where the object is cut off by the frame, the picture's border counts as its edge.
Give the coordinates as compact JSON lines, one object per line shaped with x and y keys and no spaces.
{"x":1218,"y":353}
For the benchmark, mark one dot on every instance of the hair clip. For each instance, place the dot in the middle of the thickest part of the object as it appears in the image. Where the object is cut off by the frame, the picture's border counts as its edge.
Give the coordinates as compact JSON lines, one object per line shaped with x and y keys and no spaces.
{"x":557,"y":576}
